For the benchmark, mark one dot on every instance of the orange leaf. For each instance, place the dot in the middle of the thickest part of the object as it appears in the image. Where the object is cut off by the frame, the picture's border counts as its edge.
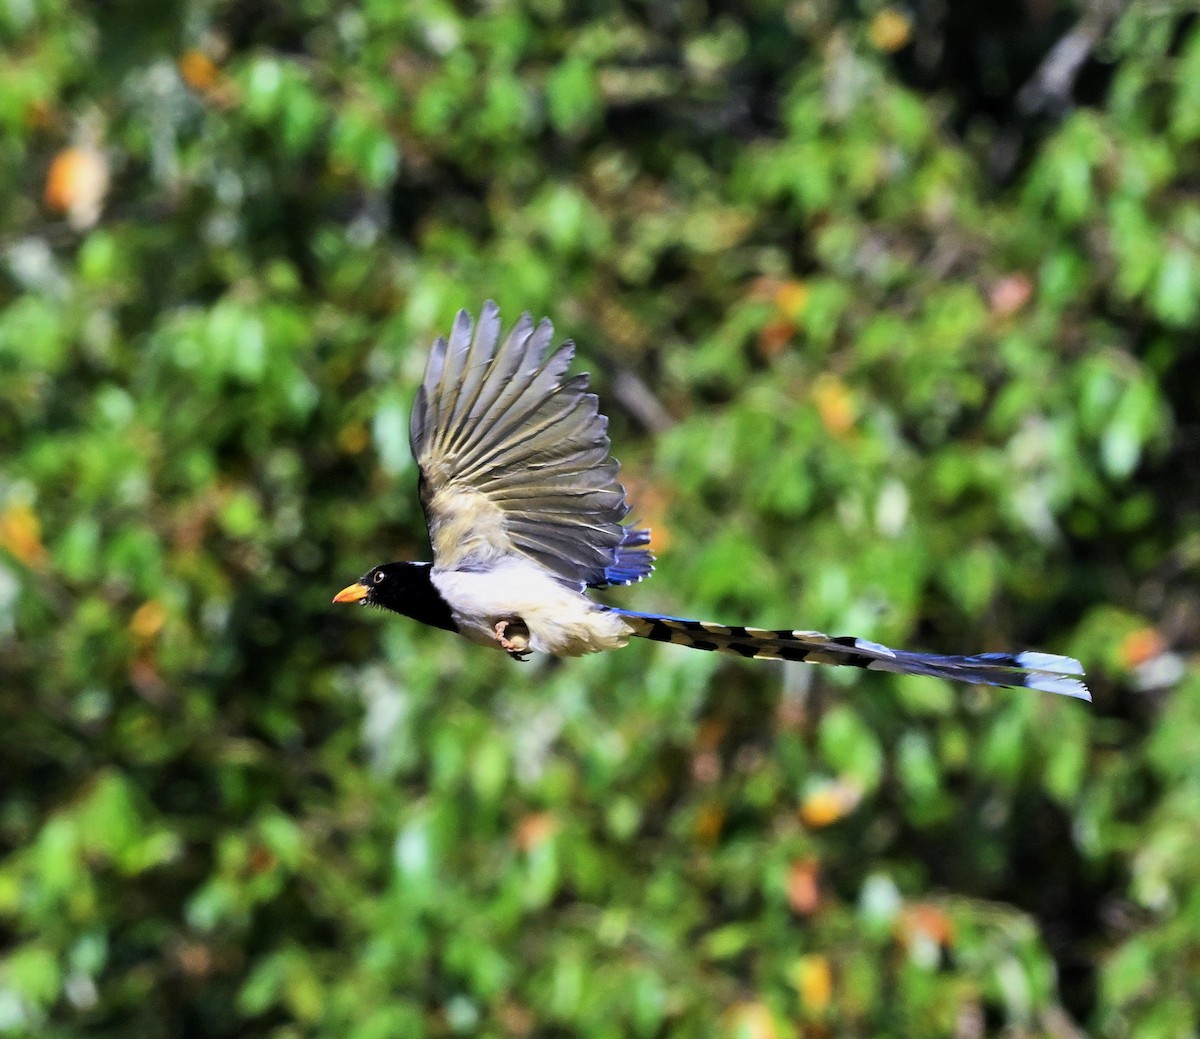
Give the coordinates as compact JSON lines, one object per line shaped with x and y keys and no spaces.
{"x":21,"y":534}
{"x":76,"y":184}
{"x":1139,"y":646}
{"x":835,"y":404}
{"x":147,"y":620}
{"x":803,"y":886}
{"x":774,"y":336}
{"x":921,"y":919}
{"x":1010,"y":294}
{"x":813,"y":977}
{"x":827,"y":804}
{"x":791,"y":297}
{"x":652,"y":502}
{"x":198,"y":70}
{"x":535,"y":829}
{"x":889,"y":30}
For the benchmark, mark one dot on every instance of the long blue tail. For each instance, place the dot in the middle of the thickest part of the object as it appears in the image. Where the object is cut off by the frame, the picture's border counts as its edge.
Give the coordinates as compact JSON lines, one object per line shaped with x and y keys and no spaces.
{"x":1044,"y":671}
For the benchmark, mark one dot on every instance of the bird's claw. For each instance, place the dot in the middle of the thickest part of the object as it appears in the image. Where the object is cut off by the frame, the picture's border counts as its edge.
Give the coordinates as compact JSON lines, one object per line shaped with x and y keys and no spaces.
{"x":513,"y":637}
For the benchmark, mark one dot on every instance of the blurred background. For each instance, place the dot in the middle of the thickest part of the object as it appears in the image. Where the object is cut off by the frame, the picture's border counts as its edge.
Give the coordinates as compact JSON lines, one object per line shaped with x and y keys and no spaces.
{"x":894,"y":310}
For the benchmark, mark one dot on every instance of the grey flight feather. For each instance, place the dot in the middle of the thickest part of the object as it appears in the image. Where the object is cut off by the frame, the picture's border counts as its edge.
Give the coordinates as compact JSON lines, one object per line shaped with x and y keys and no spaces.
{"x":514,"y":457}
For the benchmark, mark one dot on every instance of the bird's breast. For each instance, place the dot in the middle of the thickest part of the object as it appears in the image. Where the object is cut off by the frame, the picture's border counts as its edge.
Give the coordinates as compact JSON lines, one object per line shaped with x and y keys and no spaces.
{"x":561,"y":620}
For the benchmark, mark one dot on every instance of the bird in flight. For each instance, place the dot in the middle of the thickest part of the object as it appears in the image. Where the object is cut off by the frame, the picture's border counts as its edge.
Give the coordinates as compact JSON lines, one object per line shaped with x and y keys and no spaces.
{"x":525,"y":514}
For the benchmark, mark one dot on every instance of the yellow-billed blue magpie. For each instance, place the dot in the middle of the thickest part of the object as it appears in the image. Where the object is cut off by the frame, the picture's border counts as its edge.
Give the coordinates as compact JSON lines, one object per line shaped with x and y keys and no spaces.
{"x":525,"y":513}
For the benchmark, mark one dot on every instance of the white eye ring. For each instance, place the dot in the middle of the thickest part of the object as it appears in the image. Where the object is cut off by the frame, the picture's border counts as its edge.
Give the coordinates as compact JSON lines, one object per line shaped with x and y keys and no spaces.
{"x":379,"y":577}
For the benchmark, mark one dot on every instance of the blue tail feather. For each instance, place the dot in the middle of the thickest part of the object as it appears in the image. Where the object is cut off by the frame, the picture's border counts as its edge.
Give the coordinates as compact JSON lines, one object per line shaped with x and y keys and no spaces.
{"x":1047,"y":672}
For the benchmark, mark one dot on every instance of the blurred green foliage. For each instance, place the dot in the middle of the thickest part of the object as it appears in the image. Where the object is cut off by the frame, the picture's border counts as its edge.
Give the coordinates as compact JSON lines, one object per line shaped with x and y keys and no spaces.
{"x":890,"y":349}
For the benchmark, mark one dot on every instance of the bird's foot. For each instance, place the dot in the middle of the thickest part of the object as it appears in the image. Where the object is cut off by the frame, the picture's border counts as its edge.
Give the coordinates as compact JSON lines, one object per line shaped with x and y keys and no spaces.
{"x":513,"y":637}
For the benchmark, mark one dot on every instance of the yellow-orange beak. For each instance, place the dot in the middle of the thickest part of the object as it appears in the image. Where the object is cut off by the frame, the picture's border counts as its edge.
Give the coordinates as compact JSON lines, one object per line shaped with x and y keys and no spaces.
{"x":352,"y":593}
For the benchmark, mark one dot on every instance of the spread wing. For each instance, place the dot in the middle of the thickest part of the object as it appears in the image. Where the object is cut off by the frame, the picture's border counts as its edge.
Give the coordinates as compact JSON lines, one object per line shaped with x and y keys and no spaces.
{"x":514,"y":458}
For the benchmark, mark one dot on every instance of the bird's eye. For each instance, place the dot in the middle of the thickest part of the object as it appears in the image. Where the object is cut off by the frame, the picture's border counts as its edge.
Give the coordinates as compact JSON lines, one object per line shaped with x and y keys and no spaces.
{"x":379,"y":577}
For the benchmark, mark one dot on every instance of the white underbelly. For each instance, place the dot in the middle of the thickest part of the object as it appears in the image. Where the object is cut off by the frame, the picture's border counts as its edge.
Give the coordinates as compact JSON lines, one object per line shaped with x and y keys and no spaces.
{"x":560,"y":620}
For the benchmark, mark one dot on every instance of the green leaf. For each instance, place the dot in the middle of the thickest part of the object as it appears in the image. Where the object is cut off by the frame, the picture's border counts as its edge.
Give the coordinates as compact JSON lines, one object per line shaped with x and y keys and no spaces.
{"x":850,"y":747}
{"x":572,"y":95}
{"x":32,"y":971}
{"x":1176,"y":294}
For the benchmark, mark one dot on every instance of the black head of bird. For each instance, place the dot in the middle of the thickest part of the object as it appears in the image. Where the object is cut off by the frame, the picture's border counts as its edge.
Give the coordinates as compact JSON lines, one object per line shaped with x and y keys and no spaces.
{"x":403,"y":588}
{"x":525,"y":514}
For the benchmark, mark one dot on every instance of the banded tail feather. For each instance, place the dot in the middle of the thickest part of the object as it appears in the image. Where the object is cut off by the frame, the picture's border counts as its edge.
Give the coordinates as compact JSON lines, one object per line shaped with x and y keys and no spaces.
{"x":1029,"y":670}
